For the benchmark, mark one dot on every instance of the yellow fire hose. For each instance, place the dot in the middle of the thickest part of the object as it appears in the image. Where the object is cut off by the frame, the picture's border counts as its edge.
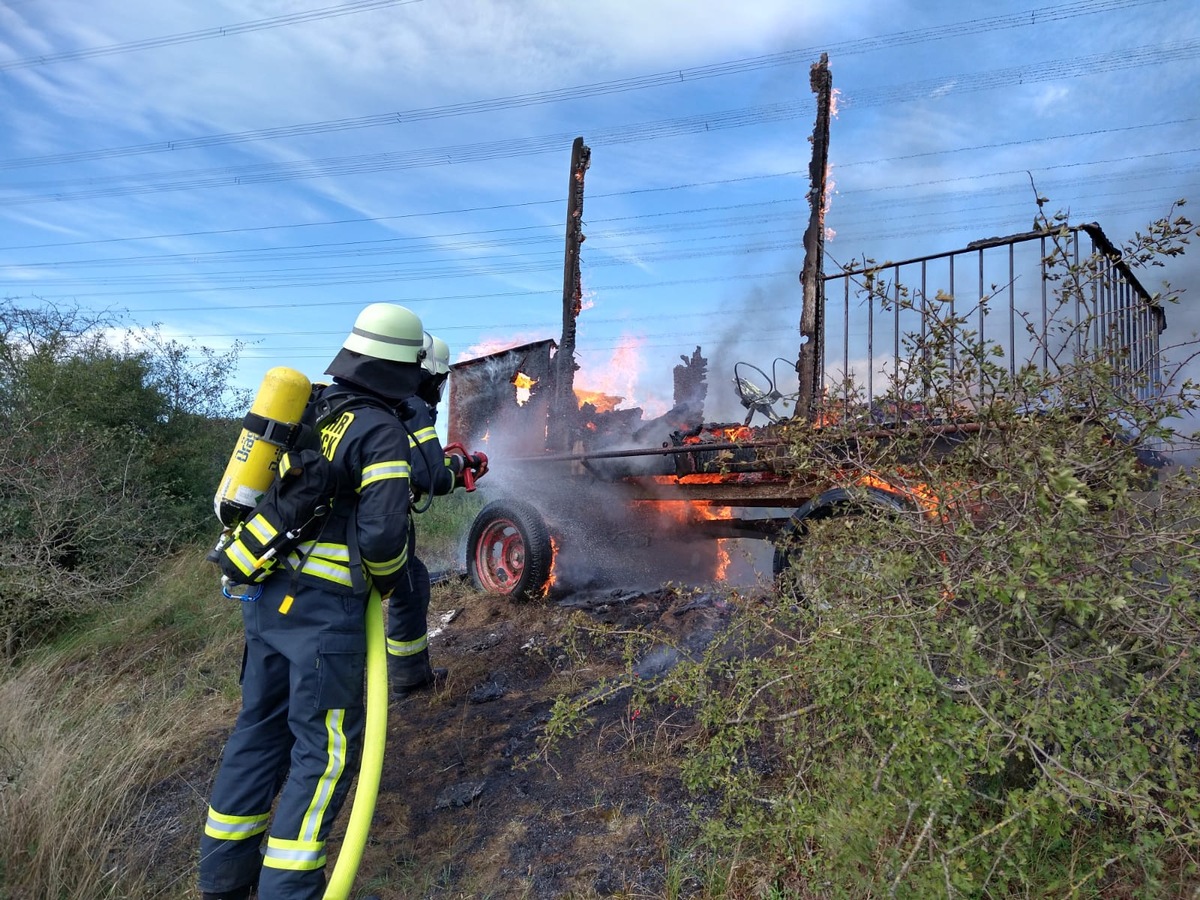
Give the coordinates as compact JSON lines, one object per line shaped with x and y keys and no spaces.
{"x":374,"y":741}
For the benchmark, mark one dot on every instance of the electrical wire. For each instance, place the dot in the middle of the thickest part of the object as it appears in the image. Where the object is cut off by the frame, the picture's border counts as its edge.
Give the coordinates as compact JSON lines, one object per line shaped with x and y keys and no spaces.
{"x":187,"y":37}
{"x":1026,"y":18}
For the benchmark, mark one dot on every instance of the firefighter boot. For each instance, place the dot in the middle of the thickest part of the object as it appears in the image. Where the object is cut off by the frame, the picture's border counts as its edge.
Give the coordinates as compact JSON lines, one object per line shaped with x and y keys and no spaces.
{"x":408,"y":674}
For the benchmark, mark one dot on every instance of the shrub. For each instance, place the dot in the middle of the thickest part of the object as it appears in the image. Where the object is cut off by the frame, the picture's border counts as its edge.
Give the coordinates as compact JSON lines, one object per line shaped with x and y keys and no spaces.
{"x":107,"y":461}
{"x":992,"y":688}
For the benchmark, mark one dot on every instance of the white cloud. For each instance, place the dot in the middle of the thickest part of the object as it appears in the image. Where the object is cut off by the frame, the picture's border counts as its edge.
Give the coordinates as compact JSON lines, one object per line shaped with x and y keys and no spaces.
{"x":1051,"y":98}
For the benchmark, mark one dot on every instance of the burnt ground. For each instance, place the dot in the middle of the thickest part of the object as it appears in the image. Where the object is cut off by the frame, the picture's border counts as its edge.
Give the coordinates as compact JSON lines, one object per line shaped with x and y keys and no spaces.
{"x":471,"y":804}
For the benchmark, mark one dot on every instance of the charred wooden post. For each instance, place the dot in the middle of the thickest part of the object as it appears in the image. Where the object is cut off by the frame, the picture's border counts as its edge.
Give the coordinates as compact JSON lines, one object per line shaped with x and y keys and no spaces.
{"x":564,"y":407}
{"x":691,"y":385}
{"x":811,"y":360}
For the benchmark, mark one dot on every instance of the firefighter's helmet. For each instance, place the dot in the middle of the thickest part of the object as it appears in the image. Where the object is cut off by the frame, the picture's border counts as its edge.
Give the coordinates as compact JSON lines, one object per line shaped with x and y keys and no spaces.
{"x":437,"y":357}
{"x":427,"y":361}
{"x":441,"y":355}
{"x":388,"y":331}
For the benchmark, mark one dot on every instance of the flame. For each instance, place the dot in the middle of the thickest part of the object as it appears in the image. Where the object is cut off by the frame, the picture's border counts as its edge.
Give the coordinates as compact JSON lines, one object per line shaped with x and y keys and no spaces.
{"x":740,"y":433}
{"x":918,"y":492}
{"x":681,"y":512}
{"x":524,"y":385}
{"x":723,"y":557}
{"x":827,"y":199}
{"x":695,"y":478}
{"x":834,"y":96}
{"x":723,"y":560}
{"x":686,"y":513}
{"x":603,"y":402}
{"x":553,"y":577}
{"x":615,"y":377}
{"x":732,"y":434}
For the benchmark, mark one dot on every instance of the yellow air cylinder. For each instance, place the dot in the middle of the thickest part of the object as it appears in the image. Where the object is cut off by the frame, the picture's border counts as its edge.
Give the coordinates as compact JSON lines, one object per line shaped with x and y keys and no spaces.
{"x":281,"y":398}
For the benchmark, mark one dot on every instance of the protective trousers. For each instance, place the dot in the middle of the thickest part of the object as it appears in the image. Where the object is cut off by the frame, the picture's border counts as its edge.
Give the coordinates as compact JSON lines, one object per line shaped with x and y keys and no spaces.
{"x":302,"y":717}
{"x":408,"y":607}
{"x":407,"y":624}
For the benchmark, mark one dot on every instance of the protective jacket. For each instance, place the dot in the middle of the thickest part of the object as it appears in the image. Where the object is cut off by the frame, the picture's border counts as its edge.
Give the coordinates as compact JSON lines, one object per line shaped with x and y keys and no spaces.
{"x":365,"y":523}
{"x":299,"y":731}
{"x":433,"y":472}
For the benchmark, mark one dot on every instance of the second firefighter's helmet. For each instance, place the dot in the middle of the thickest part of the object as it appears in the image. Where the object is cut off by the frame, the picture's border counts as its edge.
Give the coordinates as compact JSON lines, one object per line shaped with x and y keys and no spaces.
{"x":437,"y":358}
{"x":388,"y":331}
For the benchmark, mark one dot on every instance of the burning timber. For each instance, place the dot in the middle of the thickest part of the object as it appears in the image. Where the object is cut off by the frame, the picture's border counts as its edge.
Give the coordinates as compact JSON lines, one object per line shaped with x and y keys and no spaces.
{"x":603,"y":481}
{"x":585,"y":482}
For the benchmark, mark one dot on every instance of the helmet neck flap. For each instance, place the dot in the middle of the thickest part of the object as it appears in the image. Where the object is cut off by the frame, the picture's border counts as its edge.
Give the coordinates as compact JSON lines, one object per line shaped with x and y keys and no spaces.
{"x":393,"y":381}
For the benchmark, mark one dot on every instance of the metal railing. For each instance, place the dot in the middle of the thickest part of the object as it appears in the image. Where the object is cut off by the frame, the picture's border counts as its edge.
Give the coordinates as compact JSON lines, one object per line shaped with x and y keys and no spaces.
{"x":1043,"y":298}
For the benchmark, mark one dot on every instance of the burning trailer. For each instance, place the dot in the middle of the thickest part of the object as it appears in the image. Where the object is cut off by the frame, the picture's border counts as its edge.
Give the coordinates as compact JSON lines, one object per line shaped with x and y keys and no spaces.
{"x":586,"y":485}
{"x":597,"y":483}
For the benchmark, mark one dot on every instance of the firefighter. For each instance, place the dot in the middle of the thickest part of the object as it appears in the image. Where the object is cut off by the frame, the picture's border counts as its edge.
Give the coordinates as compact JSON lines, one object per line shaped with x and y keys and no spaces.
{"x":434,"y":473}
{"x":299,"y":731}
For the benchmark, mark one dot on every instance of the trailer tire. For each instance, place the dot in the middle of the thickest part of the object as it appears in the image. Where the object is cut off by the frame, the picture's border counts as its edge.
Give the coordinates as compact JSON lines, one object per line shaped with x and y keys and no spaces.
{"x":509,"y":550}
{"x":836,"y":502}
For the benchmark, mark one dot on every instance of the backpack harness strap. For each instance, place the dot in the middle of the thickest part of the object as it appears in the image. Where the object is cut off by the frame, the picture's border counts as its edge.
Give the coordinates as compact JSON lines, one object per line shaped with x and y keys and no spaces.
{"x":273,"y":431}
{"x":290,"y":435}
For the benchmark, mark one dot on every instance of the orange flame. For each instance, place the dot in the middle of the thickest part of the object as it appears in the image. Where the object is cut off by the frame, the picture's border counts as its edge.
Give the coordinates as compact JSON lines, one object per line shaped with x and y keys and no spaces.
{"x":603,"y":402}
{"x":740,"y":433}
{"x":695,"y":478}
{"x":553,"y":577}
{"x":723,"y":558}
{"x":686,"y":513}
{"x":619,"y":375}
{"x":918,"y":492}
{"x":524,"y":385}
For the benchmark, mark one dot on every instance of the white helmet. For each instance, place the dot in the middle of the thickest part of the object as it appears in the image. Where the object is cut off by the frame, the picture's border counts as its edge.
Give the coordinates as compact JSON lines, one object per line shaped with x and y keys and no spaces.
{"x":437,"y":355}
{"x":388,"y":331}
{"x":428,"y":364}
{"x":441,"y":357}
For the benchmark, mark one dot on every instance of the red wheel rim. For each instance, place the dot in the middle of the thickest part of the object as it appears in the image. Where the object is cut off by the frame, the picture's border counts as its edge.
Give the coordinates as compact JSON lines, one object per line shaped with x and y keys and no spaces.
{"x":500,"y":557}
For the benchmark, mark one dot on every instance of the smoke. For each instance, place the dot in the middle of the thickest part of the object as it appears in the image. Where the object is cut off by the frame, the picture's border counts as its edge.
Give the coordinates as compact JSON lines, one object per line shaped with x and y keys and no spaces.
{"x":760,"y":343}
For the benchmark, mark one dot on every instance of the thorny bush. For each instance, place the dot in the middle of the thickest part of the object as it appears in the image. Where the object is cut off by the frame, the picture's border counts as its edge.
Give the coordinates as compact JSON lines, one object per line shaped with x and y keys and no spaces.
{"x":991,"y":692}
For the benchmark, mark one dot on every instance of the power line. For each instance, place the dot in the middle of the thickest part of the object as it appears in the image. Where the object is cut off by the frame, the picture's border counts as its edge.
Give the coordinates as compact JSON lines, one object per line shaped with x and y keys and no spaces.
{"x":764,"y":213}
{"x":262,"y":173}
{"x":445,"y":239}
{"x":938,"y":226}
{"x":494,"y":238}
{"x":204,"y":34}
{"x":559,"y":200}
{"x":1025,"y":18}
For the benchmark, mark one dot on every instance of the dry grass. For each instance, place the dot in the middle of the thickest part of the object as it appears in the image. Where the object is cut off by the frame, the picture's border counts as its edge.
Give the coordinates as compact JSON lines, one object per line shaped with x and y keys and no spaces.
{"x":92,"y":729}
{"x":111,"y":735}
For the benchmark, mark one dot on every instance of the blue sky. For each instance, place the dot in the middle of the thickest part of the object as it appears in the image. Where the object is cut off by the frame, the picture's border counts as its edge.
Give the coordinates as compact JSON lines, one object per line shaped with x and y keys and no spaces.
{"x":260,"y":170}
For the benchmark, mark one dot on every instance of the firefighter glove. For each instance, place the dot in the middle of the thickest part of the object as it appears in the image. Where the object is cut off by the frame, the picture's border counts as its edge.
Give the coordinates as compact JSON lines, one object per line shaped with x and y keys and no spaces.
{"x":478,"y":463}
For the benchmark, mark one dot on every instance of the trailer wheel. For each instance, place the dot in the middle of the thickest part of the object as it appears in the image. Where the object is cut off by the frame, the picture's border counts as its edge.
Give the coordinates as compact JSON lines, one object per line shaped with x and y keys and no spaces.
{"x":509,"y":550}
{"x":836,"y":503}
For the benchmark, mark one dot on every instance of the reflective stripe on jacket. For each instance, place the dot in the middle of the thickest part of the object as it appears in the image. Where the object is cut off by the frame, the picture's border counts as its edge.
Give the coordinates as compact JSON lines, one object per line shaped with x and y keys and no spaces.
{"x":431,"y":471}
